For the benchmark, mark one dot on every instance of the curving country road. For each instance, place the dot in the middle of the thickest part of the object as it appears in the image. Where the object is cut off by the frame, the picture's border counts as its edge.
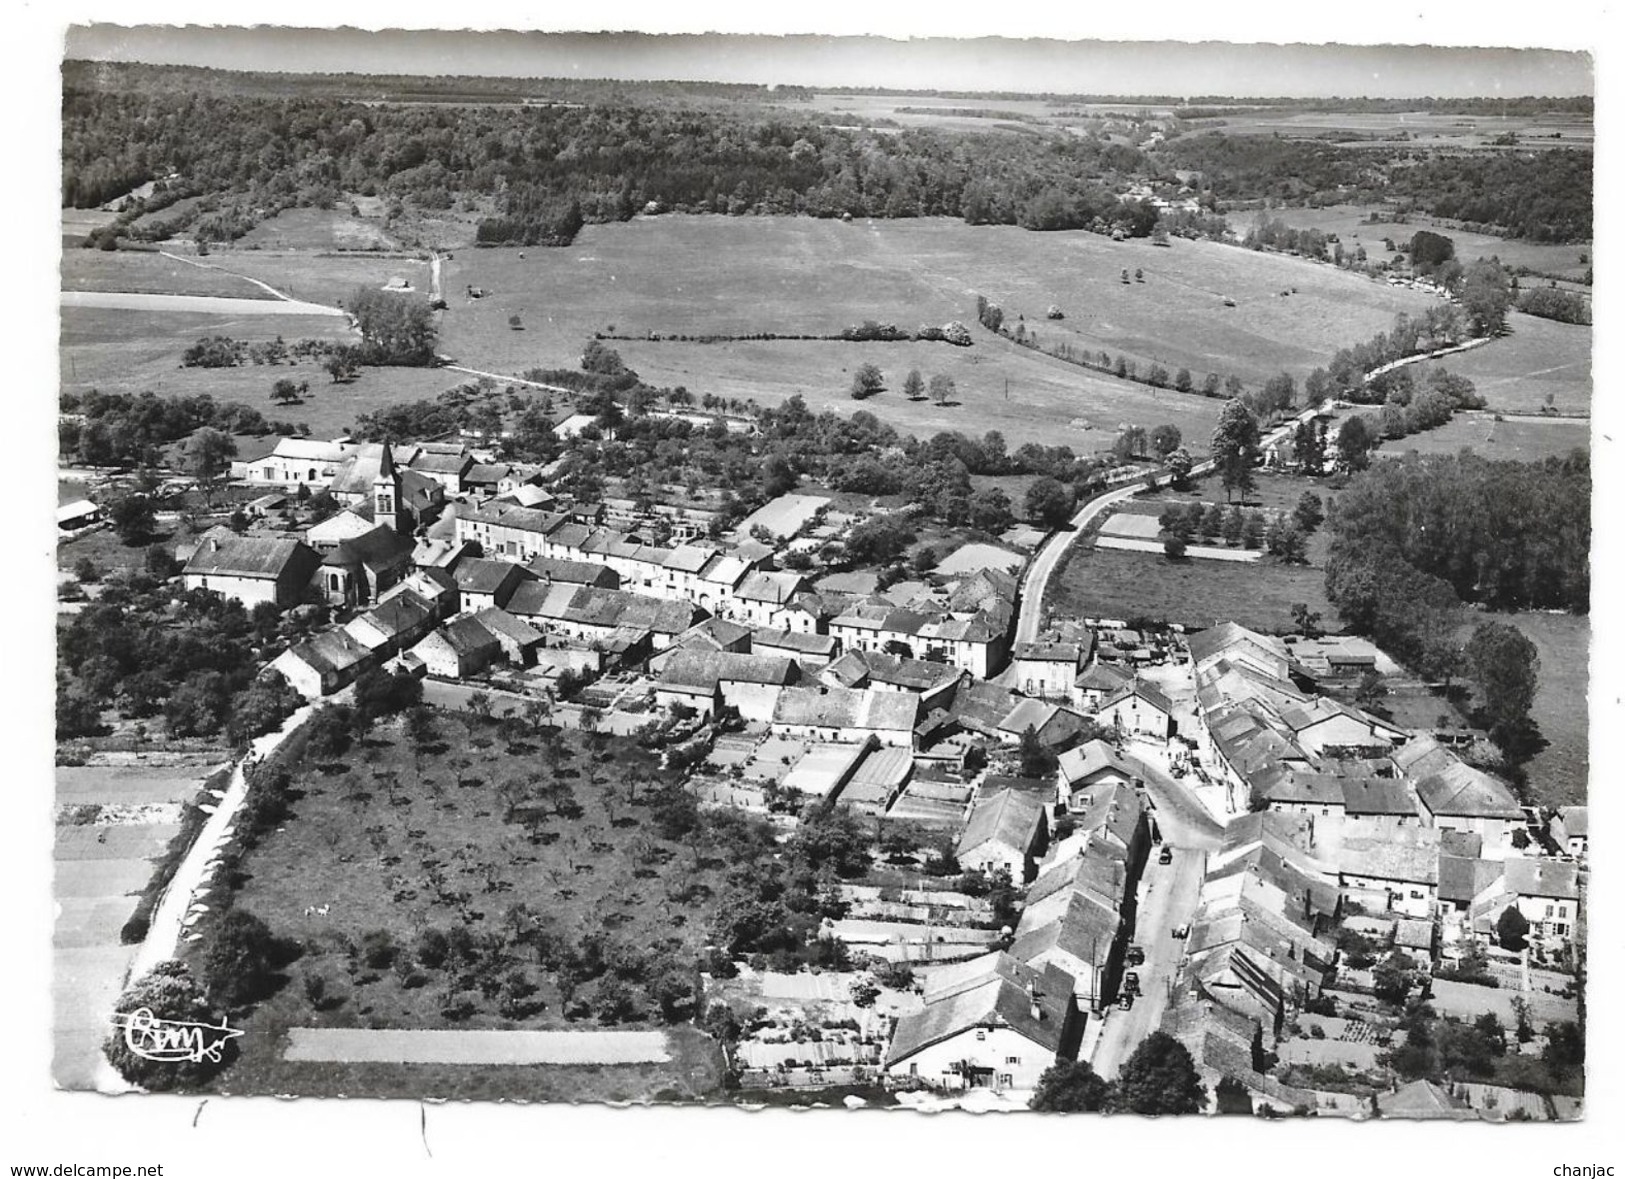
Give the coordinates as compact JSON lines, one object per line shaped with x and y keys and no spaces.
{"x":1035,"y":582}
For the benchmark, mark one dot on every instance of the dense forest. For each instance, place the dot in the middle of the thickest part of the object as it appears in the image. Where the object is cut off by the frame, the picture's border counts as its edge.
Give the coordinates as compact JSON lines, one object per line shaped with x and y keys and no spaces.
{"x":544,"y":170}
{"x":534,"y":172}
{"x":1418,"y":537}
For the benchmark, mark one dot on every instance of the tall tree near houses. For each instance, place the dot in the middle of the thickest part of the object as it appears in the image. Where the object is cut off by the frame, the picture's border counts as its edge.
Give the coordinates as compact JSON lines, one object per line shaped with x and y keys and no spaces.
{"x":1235,"y":448}
{"x":208,"y":457}
{"x":1159,"y":1078}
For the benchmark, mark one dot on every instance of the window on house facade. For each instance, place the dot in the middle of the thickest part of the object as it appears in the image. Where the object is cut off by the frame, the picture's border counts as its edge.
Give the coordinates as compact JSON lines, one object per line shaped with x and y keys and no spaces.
{"x":981,"y":1035}
{"x":1012,"y":1060}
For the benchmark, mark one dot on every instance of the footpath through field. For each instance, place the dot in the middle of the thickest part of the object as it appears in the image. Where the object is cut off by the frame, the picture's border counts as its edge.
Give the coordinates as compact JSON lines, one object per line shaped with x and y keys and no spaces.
{"x":459,"y":1046}
{"x":181,"y":899}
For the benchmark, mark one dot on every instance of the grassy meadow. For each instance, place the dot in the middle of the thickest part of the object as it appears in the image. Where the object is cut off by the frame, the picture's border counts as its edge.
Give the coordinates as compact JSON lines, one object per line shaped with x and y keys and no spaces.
{"x":1350,"y":224}
{"x":1520,"y":439}
{"x":1114,"y":583}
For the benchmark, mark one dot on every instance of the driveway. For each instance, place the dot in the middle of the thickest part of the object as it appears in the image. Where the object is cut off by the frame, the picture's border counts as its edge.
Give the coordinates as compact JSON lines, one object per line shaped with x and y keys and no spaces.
{"x":1169,"y":893}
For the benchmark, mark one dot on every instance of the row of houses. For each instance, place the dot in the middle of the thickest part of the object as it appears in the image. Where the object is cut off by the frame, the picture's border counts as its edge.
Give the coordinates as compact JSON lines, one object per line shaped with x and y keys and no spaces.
{"x":1293,"y":751}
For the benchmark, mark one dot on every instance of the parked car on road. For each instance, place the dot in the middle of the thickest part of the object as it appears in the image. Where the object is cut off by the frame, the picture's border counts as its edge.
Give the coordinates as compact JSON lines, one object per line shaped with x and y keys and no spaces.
{"x":1136,"y":956}
{"x":1125,"y":1000}
{"x":1166,"y":855}
{"x":1182,"y":932}
{"x":1131,"y":983}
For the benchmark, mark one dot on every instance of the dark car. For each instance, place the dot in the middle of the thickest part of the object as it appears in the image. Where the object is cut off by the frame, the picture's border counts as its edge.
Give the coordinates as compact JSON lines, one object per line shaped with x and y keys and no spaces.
{"x":1131,"y":983}
{"x":1125,"y":1000}
{"x":1182,"y":932}
{"x":1166,"y":855}
{"x":1136,"y":956}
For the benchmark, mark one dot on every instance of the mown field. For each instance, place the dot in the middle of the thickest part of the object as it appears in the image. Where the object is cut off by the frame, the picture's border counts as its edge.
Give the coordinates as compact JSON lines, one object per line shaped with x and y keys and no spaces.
{"x":1107,"y":583}
{"x":1350,"y":224}
{"x":731,"y":276}
{"x":1522,"y":439}
{"x":1049,"y":402}
{"x":151,"y":273}
{"x":1540,"y":358}
{"x":397,"y":839}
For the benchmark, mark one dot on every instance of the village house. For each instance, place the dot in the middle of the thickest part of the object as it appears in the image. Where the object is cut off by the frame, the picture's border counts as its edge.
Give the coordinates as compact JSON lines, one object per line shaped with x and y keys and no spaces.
{"x":394,"y":625}
{"x":1047,"y":669}
{"x":254,"y":569}
{"x":597,"y":615}
{"x":812,"y":651}
{"x":550,"y":569}
{"x":846,"y":714}
{"x":987,"y":1023}
{"x":517,"y":638}
{"x":1004,"y":716}
{"x":1074,"y":919}
{"x":1547,"y":893}
{"x":1456,"y":797}
{"x":1139,"y":710}
{"x":1397,"y":872}
{"x":1304,"y":792}
{"x":1088,"y":767}
{"x":1006,"y":832}
{"x":444,"y":462}
{"x":1098,"y":682}
{"x":933,"y":683}
{"x":295,"y":461}
{"x":483,"y":583}
{"x":762,"y":594}
{"x":1570,"y":829}
{"x":435,"y":586}
{"x":463,"y":647}
{"x":1378,"y":807}
{"x":709,"y":680}
{"x":324,"y":663}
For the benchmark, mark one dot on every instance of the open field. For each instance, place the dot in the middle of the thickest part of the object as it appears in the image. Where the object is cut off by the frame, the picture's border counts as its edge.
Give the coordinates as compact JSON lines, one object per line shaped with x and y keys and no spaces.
{"x":110,"y":348}
{"x":1413,"y":129}
{"x":1106,"y":583}
{"x":694,"y":274}
{"x":1350,"y":224}
{"x":1523,"y":439}
{"x":1103,"y":583}
{"x":318,"y":229}
{"x":1050,"y":402}
{"x":1540,"y":357}
{"x":395,"y":843}
{"x":1557,"y":775}
{"x":329,"y":279}
{"x":149,"y":273}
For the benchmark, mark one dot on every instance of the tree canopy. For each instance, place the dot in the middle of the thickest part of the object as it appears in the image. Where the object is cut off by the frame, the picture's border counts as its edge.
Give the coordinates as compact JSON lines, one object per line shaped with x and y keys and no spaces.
{"x":1159,"y":1078}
